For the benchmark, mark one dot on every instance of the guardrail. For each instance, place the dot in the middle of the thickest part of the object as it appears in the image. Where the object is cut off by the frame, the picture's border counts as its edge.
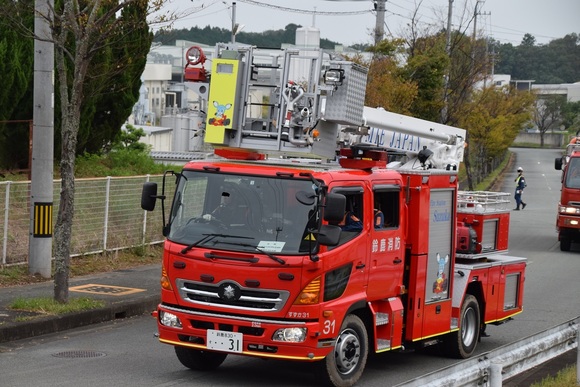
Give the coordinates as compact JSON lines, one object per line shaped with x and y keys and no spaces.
{"x":492,"y":368}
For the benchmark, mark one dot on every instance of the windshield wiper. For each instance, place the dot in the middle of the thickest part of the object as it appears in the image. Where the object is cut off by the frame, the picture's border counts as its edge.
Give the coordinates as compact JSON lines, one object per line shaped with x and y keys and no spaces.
{"x":266,"y":253}
{"x":209,"y":237}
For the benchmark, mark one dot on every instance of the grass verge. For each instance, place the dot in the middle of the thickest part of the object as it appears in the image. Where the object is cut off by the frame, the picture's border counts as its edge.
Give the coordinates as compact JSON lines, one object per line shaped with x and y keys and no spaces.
{"x":564,"y":378}
{"x":48,"y":306}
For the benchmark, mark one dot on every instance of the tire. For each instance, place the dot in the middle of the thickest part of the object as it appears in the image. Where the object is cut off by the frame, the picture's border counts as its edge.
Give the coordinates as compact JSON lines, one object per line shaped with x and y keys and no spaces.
{"x":344,"y":366}
{"x":200,"y":360}
{"x":461,"y":344}
{"x":565,"y":243}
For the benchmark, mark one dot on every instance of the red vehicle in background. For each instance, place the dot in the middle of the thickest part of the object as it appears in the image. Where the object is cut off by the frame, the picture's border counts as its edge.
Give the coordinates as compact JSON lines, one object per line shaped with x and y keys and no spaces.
{"x":568,"y":216}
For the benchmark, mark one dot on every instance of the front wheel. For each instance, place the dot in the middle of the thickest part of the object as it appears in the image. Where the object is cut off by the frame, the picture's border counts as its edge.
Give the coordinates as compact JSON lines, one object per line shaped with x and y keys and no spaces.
{"x":345,"y":365}
{"x":461,"y":344}
{"x":200,"y":360}
{"x":565,"y":243}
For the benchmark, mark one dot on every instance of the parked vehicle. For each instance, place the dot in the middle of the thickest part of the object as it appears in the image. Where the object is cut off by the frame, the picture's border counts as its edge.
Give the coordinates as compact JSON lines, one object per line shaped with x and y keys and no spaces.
{"x":568,"y":215}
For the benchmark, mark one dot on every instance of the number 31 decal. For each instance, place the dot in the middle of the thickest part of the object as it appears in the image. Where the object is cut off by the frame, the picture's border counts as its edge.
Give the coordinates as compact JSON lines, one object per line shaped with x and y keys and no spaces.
{"x":329,"y":326}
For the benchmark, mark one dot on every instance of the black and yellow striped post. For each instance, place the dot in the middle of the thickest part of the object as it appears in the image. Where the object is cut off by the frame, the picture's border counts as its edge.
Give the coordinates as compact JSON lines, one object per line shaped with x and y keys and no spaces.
{"x":42,"y":220}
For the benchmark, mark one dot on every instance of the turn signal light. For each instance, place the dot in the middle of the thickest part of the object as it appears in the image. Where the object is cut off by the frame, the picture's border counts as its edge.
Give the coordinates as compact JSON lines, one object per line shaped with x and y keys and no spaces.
{"x":310,"y":294}
{"x":165,"y":283}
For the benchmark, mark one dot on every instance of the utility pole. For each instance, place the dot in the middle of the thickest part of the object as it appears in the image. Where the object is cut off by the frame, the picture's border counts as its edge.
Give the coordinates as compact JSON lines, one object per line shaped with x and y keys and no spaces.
{"x":234,"y":27}
{"x":380,"y":21}
{"x":448,"y":52}
{"x":475,"y":13}
{"x":42,"y":164}
{"x":474,"y":38}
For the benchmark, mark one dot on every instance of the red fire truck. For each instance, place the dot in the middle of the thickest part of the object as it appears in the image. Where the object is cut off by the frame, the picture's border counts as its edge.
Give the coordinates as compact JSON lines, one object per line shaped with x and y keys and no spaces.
{"x":568,"y":216}
{"x":283,"y":249}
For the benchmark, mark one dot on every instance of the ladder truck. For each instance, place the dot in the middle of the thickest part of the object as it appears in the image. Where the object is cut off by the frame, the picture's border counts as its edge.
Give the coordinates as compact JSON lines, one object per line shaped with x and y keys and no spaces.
{"x":327,"y":230}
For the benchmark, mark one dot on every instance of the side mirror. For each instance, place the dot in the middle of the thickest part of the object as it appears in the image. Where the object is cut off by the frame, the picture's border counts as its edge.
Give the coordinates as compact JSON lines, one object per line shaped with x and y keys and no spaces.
{"x":329,"y":235}
{"x":149,"y":196}
{"x":558,"y":163}
{"x":334,"y":207}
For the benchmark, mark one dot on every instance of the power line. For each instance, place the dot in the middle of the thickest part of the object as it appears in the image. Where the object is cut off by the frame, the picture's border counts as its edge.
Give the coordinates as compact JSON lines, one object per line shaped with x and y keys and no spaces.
{"x":314,"y":12}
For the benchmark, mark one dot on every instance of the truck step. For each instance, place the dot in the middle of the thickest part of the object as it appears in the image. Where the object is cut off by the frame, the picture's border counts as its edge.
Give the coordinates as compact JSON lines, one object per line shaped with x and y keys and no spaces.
{"x":383,"y":344}
{"x":382,"y":319}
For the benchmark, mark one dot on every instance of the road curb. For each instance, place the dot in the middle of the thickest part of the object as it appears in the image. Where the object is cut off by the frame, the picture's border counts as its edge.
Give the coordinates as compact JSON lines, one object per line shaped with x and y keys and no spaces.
{"x":52,"y":324}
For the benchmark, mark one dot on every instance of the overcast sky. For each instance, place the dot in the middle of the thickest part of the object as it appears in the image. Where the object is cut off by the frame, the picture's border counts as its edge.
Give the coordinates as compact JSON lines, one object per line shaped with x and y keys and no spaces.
{"x":504,"y":20}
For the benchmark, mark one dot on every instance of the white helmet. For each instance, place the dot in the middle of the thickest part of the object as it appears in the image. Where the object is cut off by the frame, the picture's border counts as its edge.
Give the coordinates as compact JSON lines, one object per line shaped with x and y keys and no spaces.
{"x":520,"y":169}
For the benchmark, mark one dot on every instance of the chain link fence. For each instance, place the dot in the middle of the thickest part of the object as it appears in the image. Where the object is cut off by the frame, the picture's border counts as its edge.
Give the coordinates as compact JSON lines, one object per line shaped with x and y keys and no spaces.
{"x":108,"y":216}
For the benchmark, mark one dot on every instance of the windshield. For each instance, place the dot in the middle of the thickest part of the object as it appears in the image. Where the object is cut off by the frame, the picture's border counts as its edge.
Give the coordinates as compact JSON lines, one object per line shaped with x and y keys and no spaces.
{"x":242,"y":213}
{"x":573,"y":173}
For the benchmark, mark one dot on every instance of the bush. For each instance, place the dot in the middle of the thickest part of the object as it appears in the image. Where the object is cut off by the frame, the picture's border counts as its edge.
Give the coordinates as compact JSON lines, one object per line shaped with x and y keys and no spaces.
{"x":118,"y":162}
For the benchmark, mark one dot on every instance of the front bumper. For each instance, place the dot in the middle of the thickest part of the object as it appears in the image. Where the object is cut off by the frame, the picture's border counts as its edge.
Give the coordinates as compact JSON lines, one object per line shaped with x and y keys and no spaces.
{"x":567,"y":222}
{"x":257,"y":334}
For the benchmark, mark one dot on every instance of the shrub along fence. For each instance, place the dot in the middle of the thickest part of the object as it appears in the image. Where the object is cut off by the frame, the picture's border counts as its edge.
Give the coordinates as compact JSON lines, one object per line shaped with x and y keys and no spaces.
{"x":108,"y":216}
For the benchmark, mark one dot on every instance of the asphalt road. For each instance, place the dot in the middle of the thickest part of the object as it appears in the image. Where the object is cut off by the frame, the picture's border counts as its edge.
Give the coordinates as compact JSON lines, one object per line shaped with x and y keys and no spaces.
{"x":126,"y":353}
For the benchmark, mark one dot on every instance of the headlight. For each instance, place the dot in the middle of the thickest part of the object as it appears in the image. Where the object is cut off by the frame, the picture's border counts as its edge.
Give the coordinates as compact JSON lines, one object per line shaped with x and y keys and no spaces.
{"x":169,"y":320}
{"x":290,"y":335}
{"x":569,"y":210}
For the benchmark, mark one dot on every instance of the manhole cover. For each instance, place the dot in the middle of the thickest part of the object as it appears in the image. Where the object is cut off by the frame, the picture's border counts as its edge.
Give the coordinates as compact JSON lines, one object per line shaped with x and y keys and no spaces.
{"x":79,"y":353}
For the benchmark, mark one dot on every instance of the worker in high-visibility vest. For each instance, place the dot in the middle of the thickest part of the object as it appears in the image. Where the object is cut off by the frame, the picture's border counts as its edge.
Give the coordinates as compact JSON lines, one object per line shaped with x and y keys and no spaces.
{"x":520,"y":185}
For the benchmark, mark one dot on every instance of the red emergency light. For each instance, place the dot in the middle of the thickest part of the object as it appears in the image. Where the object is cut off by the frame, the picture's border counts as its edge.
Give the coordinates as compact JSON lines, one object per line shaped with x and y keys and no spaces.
{"x":195,"y":56}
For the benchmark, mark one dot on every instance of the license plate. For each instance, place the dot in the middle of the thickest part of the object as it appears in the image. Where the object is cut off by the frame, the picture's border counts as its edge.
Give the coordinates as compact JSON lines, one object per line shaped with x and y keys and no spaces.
{"x":224,"y":340}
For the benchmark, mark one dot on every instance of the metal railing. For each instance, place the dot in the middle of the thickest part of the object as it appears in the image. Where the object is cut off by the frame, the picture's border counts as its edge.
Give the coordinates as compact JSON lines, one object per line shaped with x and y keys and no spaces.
{"x":492,"y":368}
{"x":107,"y":217}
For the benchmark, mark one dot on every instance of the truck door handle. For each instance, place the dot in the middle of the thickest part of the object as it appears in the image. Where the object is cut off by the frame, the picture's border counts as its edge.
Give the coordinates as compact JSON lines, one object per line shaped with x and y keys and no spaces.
{"x":397,"y":261}
{"x":360,"y":266}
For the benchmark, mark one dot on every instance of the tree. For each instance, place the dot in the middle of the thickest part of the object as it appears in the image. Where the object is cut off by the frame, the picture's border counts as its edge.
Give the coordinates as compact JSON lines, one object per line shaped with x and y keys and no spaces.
{"x":81,"y":32}
{"x":129,"y":139}
{"x":16,"y":78}
{"x":492,"y":117}
{"x":547,"y":114}
{"x":387,"y":86}
{"x":571,"y":116}
{"x":108,"y":100}
{"x":94,"y":27}
{"x":555,"y":62}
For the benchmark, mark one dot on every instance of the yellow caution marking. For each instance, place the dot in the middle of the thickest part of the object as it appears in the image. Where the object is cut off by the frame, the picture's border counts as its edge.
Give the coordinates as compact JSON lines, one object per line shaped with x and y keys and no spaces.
{"x":42,"y":220}
{"x":109,"y":290}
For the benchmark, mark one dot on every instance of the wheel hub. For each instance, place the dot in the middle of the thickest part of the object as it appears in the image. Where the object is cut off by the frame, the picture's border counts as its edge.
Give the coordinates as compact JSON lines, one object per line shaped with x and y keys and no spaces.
{"x":347,"y":352}
{"x":468,"y":330}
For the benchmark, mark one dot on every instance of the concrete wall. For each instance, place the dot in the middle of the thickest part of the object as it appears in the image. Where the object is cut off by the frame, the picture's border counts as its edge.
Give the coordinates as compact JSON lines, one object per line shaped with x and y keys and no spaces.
{"x":555,"y":140}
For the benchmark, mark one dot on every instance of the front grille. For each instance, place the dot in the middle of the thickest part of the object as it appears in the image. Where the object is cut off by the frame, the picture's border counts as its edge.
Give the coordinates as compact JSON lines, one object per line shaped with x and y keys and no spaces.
{"x":230,"y":294}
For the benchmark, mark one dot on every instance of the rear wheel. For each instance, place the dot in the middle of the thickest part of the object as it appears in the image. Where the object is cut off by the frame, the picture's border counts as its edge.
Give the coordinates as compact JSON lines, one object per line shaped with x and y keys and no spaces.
{"x":200,"y":360}
{"x":345,"y":365}
{"x":461,"y":344}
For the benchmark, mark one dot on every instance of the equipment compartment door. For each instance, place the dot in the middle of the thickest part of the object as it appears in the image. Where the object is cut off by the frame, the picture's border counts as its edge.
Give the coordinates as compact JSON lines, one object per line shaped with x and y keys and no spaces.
{"x":437,"y":315}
